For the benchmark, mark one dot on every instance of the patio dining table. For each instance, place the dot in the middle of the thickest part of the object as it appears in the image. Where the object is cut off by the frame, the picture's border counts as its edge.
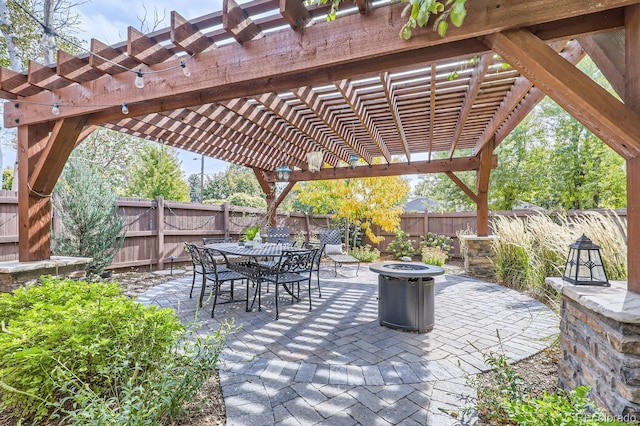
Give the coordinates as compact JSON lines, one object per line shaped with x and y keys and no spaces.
{"x":253,"y":267}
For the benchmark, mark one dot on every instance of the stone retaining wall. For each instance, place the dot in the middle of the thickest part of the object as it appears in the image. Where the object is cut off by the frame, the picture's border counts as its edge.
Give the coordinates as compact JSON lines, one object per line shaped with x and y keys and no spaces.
{"x":478,"y":255}
{"x":600,"y":343}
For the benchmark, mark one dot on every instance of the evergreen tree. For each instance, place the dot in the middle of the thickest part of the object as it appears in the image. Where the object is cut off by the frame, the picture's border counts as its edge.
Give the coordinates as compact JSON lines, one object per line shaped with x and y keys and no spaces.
{"x":89,"y":223}
{"x":158,"y":174}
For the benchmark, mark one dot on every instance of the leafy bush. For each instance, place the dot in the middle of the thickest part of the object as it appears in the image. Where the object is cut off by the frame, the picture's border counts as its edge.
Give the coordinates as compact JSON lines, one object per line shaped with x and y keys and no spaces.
{"x":506,"y":399}
{"x":438,"y":241}
{"x":402,"y":246}
{"x":434,"y":256}
{"x":83,"y":349}
{"x":573,"y":409}
{"x":365,"y":253}
{"x":249,"y":233}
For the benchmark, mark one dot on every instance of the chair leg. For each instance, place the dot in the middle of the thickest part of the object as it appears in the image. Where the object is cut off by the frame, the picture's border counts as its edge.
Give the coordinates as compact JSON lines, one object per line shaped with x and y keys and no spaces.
{"x":335,"y":267}
{"x":358,"y":269}
{"x":215,"y":298}
{"x":193,"y":283}
{"x":309,"y":287}
{"x":204,"y":285}
{"x":277,"y":312}
{"x":319,"y":291}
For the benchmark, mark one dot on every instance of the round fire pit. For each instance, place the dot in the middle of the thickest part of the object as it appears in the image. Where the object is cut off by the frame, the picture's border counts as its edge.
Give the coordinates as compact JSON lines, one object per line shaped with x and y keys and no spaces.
{"x":406,"y":295}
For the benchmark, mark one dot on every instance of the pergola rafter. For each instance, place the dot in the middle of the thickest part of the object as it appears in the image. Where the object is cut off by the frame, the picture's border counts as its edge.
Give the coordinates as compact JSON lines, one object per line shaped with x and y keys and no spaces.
{"x":264,"y":88}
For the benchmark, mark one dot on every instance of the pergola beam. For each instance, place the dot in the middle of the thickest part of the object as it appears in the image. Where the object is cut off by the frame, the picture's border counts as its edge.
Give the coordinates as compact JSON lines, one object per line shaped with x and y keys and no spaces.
{"x":609,"y":119}
{"x":458,"y":164}
{"x":298,"y":59}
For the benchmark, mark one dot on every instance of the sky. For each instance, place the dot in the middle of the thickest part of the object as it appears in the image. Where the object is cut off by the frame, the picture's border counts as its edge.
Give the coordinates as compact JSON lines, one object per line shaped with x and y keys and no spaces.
{"x":108,"y":21}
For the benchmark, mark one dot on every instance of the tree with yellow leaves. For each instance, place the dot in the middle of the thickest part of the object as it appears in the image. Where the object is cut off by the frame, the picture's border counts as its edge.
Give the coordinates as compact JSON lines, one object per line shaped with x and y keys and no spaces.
{"x":364,"y":201}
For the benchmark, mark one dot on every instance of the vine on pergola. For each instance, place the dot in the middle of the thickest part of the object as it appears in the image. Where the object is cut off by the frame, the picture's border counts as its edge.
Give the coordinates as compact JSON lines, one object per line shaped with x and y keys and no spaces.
{"x":420,"y":12}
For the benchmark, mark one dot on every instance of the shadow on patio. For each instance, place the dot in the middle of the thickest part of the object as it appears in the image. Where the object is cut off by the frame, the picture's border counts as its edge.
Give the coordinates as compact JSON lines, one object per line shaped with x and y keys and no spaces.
{"x":337,"y":364}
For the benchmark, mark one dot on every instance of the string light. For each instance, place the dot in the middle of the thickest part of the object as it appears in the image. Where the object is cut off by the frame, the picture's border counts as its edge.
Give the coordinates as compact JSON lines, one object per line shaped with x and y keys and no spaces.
{"x":55,"y":110}
{"x":48,"y":39}
{"x":139,"y":82}
{"x":125,"y":109}
{"x":185,"y":70}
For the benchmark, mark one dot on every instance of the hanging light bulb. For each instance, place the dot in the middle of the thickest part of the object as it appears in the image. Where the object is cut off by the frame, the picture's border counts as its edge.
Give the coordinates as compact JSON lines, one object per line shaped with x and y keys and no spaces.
{"x":55,"y":110}
{"x":125,"y":109}
{"x":48,"y":39}
{"x":185,"y":70}
{"x":139,"y":82}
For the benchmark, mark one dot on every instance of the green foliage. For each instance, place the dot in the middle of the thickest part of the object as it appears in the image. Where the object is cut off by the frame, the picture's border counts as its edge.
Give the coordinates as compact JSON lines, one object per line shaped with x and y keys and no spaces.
{"x":221,"y":186}
{"x":365,"y":253}
{"x":89,"y":223}
{"x":442,"y":242}
{"x":115,"y":154}
{"x":572,"y":409}
{"x":249,"y":233}
{"x":505,"y":398}
{"x":434,"y":256}
{"x":247,"y":200}
{"x":158,"y":174}
{"x":421,"y":11}
{"x":63,"y":333}
{"x":7,"y":178}
{"x":401,"y":246}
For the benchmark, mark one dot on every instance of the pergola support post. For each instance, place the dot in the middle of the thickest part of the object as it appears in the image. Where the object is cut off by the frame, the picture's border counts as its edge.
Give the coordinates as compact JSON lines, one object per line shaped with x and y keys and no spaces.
{"x":632,"y":100}
{"x":482,"y":186}
{"x":34,"y":207}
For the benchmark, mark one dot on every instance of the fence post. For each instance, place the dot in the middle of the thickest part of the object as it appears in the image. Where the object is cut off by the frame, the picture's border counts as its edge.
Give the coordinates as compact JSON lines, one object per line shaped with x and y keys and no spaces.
{"x":225,"y":220}
{"x":160,"y":234}
{"x":306,"y":220}
{"x":426,"y":222}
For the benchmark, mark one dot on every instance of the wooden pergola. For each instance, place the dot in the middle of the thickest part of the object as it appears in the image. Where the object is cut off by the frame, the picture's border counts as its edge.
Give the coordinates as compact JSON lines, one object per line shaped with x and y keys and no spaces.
{"x":271,"y":81}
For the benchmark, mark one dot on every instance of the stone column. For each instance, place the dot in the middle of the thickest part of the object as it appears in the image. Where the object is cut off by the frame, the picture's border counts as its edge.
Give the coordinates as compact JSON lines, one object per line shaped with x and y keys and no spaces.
{"x":600,"y":343}
{"x":478,"y":255}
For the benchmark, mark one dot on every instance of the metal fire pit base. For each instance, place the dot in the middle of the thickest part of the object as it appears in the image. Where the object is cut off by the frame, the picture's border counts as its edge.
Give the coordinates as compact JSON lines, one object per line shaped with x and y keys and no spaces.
{"x":406,"y":295}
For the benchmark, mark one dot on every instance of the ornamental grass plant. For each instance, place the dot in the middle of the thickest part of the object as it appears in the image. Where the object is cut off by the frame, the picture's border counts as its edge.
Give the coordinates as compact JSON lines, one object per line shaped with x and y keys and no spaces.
{"x":531,"y":248}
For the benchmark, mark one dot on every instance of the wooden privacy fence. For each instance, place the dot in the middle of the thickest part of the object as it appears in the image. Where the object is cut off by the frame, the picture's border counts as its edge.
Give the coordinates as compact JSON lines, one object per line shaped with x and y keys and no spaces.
{"x":157,"y":229}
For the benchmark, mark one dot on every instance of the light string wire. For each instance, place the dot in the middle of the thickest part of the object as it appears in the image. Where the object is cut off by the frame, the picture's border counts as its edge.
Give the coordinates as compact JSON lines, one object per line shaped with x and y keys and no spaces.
{"x":138,"y":72}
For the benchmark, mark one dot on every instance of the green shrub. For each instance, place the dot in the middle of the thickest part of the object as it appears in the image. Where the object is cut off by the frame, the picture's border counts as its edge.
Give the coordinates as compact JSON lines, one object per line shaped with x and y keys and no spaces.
{"x":365,"y":253}
{"x":504,"y":398}
{"x":434,"y":256}
{"x":85,"y":345}
{"x":573,"y":409}
{"x":402,"y":246}
{"x":438,"y":241}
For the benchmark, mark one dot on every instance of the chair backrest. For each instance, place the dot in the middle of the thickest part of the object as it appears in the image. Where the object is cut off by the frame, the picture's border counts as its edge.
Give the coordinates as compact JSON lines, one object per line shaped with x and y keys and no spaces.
{"x":216,"y":240}
{"x":275,"y":234}
{"x":319,"y":250}
{"x":192,"y":249}
{"x":296,"y":261}
{"x":209,"y":263}
{"x":330,"y":236}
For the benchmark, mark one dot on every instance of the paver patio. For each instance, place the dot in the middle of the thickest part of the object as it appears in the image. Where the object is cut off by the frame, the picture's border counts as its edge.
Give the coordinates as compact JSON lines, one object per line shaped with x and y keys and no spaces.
{"x":337,"y":365}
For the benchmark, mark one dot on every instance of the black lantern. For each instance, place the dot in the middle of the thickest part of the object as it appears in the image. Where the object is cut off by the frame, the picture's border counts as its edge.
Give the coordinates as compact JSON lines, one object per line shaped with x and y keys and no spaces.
{"x":584,"y":264}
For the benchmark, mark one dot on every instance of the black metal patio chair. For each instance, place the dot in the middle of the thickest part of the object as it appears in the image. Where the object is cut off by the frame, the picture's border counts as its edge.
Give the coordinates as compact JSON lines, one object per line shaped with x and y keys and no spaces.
{"x":217,"y":276}
{"x":276,"y":234}
{"x":292,"y":268}
{"x":316,"y":261}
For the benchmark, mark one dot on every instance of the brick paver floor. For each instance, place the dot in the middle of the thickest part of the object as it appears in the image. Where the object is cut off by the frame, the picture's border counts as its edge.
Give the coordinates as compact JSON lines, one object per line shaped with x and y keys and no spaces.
{"x":336,"y":365}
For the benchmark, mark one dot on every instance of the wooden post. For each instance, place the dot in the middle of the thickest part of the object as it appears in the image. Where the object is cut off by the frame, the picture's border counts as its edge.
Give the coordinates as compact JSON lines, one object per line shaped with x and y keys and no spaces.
{"x":225,"y":218}
{"x":308,"y":225}
{"x":34,"y":207}
{"x":346,"y":235}
{"x":482,"y":184}
{"x":426,"y":222}
{"x":160,"y":232}
{"x":632,"y":100}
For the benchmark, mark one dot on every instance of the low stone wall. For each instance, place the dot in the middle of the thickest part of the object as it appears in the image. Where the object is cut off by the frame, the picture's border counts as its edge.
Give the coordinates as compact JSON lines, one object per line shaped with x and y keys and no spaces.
{"x":600,"y":343}
{"x":13,"y":274}
{"x":478,"y":255}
